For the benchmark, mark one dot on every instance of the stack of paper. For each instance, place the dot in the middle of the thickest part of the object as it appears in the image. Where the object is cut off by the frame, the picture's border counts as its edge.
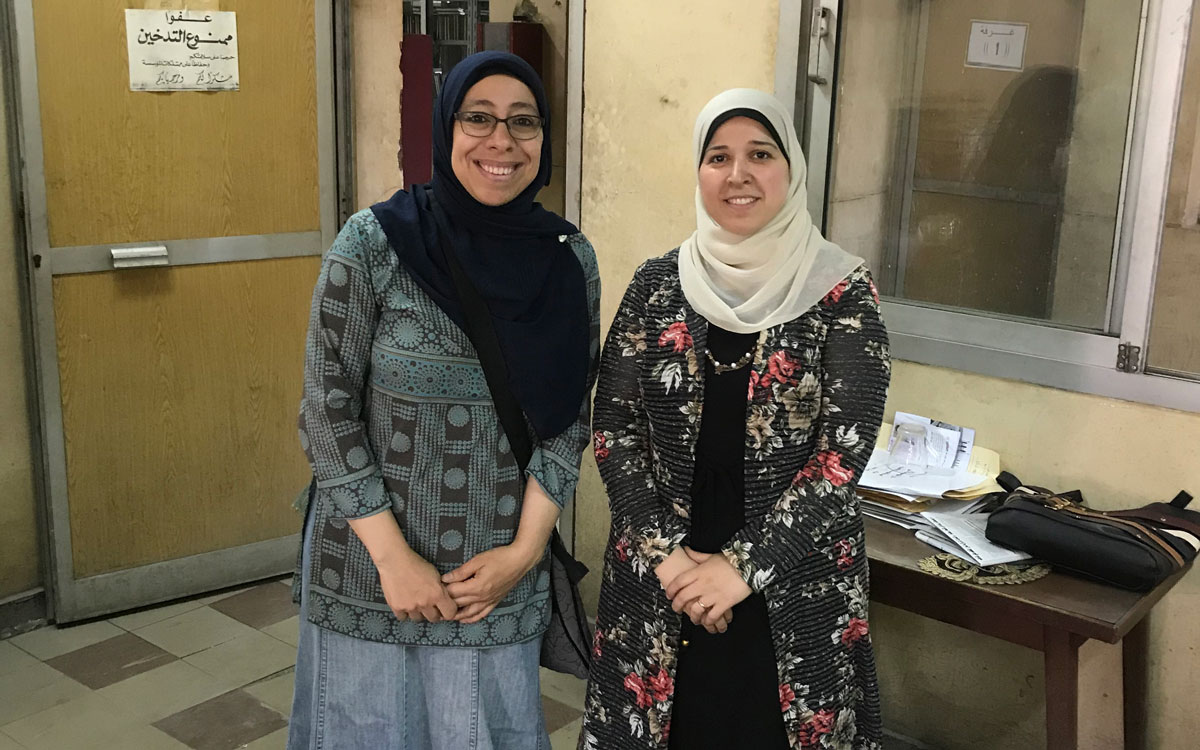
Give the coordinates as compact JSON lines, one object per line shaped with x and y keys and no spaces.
{"x":917,"y":515}
{"x":899,"y":480}
{"x":941,"y":502}
{"x":964,"y":536}
{"x":955,"y":465}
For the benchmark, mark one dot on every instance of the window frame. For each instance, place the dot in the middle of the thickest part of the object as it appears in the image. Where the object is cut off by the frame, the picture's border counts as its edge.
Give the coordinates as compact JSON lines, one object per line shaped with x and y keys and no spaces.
{"x":1046,"y":354}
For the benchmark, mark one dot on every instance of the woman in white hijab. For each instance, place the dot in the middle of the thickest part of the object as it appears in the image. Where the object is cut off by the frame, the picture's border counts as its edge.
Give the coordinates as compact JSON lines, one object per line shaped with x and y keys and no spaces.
{"x":741,"y":388}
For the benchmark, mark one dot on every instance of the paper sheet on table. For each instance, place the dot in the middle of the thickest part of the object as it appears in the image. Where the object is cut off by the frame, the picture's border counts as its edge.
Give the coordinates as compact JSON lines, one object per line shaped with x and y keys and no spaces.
{"x":880,"y":476}
{"x":983,"y":461}
{"x":900,"y":503}
{"x":914,"y":516}
{"x":954,"y":507}
{"x":967,"y":535}
{"x":911,"y":523}
{"x":986,"y":462}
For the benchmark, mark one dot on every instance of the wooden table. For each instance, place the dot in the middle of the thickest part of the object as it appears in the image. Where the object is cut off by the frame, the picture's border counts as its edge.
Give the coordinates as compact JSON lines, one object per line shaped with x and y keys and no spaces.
{"x":1054,"y":615}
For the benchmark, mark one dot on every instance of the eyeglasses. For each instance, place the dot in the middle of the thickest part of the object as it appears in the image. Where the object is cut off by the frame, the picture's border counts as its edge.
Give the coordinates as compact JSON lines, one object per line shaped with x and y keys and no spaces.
{"x":481,"y":124}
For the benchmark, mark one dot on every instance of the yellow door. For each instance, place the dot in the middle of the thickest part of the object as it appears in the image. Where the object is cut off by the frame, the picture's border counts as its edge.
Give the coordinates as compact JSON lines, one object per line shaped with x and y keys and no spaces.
{"x":170,"y":392}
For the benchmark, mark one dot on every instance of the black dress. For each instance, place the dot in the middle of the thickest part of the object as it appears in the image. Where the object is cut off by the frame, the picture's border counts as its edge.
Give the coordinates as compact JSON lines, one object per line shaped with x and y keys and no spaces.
{"x":727,"y":685}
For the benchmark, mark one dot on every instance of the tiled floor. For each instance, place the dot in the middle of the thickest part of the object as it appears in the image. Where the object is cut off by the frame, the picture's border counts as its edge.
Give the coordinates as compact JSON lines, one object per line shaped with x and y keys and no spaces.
{"x":213,"y":673}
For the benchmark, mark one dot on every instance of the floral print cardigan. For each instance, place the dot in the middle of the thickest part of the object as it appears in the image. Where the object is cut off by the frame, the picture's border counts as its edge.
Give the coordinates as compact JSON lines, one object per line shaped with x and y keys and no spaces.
{"x":816,"y":398}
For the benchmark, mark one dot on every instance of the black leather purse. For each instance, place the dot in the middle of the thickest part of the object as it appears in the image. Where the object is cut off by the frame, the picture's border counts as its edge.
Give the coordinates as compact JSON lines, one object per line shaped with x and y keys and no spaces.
{"x":566,"y":645}
{"x":1134,"y":549}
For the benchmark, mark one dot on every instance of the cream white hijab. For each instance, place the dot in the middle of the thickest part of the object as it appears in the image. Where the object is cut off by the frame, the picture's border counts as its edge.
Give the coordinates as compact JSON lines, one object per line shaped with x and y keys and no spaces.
{"x":749,"y":284}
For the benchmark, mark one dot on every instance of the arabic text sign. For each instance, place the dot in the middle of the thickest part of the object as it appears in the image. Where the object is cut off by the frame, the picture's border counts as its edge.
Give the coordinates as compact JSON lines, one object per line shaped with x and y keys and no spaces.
{"x":994,"y":44}
{"x":182,"y":50}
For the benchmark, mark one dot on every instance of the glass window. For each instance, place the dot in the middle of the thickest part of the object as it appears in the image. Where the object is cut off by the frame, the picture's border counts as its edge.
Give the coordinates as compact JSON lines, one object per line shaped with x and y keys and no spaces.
{"x":1174,"y":346}
{"x":978,"y":160}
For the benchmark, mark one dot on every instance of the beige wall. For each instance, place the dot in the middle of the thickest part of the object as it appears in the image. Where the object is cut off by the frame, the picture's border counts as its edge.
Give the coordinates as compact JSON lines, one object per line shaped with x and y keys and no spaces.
{"x":378,"y":28}
{"x":942,"y":685}
{"x":648,"y":69}
{"x":19,"y":551}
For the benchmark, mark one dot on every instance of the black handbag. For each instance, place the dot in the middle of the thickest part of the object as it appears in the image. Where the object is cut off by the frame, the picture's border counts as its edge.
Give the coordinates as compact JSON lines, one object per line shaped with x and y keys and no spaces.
{"x":1133,"y":549}
{"x":566,"y":645}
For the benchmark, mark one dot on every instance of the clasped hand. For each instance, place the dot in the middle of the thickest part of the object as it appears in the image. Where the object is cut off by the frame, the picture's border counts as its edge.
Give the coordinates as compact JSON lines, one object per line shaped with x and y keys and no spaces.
{"x":705,"y":587}
{"x":483,"y":581}
{"x":415,"y":591}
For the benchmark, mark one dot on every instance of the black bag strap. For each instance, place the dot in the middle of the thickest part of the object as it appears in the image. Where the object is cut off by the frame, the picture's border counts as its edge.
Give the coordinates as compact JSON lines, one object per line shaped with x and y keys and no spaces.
{"x":483,"y":335}
{"x":1008,"y":481}
{"x":1014,"y":486}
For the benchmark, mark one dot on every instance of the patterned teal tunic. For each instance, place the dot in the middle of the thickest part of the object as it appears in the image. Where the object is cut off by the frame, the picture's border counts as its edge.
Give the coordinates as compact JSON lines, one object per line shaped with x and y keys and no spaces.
{"x":397,"y":417}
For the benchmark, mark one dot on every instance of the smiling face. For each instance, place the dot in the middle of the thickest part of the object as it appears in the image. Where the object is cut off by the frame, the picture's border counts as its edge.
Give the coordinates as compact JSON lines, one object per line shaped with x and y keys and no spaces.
{"x":743,"y":177}
{"x":496,"y":168}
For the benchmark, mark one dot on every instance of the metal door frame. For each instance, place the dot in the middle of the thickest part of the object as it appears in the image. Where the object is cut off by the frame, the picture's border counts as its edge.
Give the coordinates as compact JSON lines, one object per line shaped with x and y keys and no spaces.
{"x":73,"y":598}
{"x":11,"y":123}
{"x":820,"y":64}
{"x":805,"y":81}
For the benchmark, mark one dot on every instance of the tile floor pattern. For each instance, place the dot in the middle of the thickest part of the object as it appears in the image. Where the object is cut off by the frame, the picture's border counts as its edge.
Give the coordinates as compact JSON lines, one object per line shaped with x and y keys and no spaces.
{"x":212,"y":673}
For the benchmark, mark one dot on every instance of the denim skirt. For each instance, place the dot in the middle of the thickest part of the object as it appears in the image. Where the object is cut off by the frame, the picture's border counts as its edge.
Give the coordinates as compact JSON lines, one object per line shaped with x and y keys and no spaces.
{"x":353,"y":693}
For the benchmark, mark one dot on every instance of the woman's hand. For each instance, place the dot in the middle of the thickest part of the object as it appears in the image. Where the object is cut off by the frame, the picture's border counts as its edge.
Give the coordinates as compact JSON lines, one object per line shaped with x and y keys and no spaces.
{"x":679,"y":562}
{"x":414,"y":590}
{"x":708,"y":592}
{"x":410,"y":584}
{"x":483,"y":581}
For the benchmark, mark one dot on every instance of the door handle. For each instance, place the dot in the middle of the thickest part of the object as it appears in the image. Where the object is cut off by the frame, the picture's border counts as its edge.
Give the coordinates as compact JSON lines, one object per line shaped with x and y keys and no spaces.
{"x":820,"y":31}
{"x":139,"y":257}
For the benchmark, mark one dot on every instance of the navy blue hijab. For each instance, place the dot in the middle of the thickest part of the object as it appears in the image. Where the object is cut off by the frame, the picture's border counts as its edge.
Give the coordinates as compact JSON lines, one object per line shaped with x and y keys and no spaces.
{"x":532,"y":283}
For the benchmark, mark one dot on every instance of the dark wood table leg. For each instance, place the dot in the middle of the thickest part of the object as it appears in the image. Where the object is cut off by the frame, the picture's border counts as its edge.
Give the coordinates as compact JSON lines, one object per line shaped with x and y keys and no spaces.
{"x":1135,"y":677}
{"x":1061,"y":651}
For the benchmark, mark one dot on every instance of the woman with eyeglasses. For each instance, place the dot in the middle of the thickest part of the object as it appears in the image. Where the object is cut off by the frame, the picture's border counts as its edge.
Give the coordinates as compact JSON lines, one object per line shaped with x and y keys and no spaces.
{"x":741,"y":388}
{"x":424,"y":574}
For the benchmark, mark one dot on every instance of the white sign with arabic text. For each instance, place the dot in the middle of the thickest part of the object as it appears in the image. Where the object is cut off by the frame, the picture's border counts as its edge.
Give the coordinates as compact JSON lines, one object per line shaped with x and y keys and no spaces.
{"x":997,"y":44}
{"x":182,"y":50}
